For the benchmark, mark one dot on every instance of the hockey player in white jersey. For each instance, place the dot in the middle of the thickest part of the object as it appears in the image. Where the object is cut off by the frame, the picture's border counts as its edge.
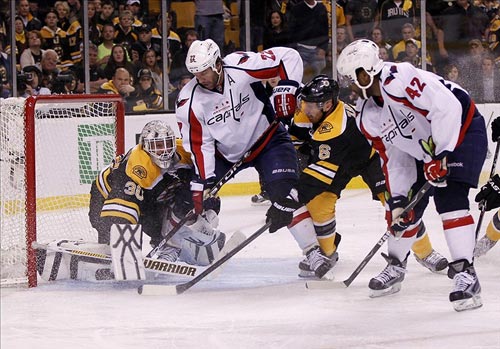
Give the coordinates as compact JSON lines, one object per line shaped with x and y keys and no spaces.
{"x":425,"y":128}
{"x":224,"y":110}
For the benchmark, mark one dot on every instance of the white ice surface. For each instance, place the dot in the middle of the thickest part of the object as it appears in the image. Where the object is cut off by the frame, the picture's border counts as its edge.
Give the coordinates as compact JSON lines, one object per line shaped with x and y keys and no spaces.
{"x":258,"y":301}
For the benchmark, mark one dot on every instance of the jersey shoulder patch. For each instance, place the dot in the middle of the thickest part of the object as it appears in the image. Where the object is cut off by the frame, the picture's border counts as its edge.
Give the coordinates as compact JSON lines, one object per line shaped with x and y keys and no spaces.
{"x":141,"y":169}
{"x":333,"y":125}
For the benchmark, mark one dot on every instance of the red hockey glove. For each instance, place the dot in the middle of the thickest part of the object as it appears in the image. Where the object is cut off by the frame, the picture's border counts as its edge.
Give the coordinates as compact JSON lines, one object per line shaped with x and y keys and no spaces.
{"x":397,"y":221}
{"x":201,"y":200}
{"x":436,"y":171}
{"x":285,"y":99}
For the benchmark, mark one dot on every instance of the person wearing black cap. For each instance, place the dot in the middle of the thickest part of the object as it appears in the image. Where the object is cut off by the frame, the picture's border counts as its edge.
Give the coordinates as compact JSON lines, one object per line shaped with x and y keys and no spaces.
{"x":29,"y":82}
{"x":146,"y":96}
{"x":144,"y":43}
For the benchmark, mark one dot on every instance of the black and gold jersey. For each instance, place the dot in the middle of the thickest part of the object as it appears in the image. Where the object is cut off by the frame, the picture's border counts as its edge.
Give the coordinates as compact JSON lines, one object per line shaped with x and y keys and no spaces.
{"x":133,"y":183}
{"x":339,"y":151}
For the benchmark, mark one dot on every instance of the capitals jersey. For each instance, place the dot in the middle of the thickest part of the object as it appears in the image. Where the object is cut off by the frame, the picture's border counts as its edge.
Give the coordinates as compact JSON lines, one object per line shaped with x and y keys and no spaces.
{"x":230,"y":121}
{"x":414,"y":106}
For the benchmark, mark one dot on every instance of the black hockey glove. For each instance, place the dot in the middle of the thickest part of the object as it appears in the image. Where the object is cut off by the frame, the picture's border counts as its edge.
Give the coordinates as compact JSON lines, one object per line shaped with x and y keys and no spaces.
{"x":280,"y":214}
{"x":397,"y":221}
{"x":495,"y":129}
{"x":489,"y":195}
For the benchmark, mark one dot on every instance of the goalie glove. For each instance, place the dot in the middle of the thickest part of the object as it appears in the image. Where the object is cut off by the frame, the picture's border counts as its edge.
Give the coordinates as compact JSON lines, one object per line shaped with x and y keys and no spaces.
{"x":280,"y":214}
{"x":397,"y":221}
{"x":489,"y":195}
{"x":285,"y":100}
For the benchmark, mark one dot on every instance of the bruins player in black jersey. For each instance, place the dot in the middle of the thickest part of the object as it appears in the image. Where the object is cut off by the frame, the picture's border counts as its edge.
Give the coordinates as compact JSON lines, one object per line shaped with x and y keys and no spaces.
{"x":149,"y":185}
{"x":337,"y":152}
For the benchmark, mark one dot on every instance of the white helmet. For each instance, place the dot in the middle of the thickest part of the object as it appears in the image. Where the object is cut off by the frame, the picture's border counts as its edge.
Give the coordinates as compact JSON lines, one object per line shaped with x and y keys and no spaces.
{"x":158,"y":140}
{"x":202,"y":54}
{"x":360,"y":54}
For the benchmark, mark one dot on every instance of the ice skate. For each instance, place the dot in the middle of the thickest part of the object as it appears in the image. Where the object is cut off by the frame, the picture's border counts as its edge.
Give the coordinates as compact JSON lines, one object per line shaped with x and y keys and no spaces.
{"x":467,"y":291}
{"x":483,"y":245}
{"x":318,"y":263}
{"x":305,"y":270}
{"x":261,"y":199}
{"x":390,"y":279}
{"x":435,"y":262}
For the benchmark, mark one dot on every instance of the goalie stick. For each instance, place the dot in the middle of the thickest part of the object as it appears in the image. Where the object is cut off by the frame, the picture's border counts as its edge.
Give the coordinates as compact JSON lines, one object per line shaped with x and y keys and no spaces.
{"x":229,"y":174}
{"x":317,"y":284}
{"x":181,"y":288}
{"x":150,"y":264}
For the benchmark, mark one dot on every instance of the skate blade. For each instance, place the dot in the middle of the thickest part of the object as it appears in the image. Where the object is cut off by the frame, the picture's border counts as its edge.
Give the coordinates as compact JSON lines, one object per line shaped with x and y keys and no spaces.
{"x":468,"y":304}
{"x":386,"y":291}
{"x":304,"y":274}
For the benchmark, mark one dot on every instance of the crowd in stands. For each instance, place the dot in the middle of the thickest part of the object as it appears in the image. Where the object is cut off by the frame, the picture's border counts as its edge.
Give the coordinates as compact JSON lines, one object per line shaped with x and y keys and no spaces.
{"x":125,"y":38}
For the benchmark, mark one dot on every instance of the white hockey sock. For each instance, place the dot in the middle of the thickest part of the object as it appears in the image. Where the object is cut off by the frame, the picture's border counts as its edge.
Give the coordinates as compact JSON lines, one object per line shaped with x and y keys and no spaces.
{"x":459,"y":233}
{"x":302,"y":229}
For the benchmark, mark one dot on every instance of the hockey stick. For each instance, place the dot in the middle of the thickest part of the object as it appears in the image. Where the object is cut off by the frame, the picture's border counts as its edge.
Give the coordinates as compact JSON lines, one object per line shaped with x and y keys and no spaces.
{"x":322,"y":284}
{"x":482,"y":204}
{"x":227,"y":176}
{"x":181,"y":288}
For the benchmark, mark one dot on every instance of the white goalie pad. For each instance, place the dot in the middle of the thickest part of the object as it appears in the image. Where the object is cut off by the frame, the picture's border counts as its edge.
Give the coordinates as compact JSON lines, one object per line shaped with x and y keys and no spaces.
{"x":126,"y":251}
{"x":55,"y":265}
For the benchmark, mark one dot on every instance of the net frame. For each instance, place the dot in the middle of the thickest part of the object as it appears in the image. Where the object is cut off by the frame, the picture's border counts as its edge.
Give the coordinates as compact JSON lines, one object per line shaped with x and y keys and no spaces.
{"x":30,"y":107}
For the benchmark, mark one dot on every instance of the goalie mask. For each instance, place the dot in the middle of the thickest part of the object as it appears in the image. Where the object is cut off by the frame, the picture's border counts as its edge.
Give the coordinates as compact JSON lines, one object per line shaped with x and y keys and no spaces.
{"x":202,"y":54}
{"x":360,"y":54}
{"x":158,"y":140}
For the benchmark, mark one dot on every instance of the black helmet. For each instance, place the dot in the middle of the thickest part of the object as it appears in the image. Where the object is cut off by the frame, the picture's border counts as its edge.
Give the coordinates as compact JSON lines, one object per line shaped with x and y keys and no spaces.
{"x":319,"y":90}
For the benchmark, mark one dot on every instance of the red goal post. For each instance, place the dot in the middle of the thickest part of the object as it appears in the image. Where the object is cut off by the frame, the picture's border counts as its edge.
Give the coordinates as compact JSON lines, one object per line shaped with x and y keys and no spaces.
{"x":51,"y":149}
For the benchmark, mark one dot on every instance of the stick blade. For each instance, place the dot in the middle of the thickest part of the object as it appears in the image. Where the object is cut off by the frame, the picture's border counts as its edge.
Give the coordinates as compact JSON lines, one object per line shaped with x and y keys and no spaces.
{"x":157,"y":290}
{"x":324,"y":284}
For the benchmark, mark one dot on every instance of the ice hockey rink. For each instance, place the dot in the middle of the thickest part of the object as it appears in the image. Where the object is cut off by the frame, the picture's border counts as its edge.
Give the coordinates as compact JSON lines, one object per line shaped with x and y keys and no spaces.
{"x":257,"y":301}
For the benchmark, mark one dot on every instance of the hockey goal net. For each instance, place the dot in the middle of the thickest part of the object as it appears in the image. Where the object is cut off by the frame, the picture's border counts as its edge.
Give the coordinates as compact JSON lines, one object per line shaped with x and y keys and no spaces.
{"x":51,"y":149}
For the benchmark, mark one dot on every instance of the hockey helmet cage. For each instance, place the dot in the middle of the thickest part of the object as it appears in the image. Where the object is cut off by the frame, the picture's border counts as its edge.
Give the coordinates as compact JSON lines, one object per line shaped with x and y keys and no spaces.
{"x":158,"y":140}
{"x":360,"y":54}
{"x":319,"y":90}
{"x":202,"y":54}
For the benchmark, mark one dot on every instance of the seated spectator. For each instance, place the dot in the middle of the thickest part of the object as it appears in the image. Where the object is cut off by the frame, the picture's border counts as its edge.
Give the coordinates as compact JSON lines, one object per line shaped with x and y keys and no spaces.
{"x":63,"y":10}
{"x":5,"y":74}
{"x":486,"y":87}
{"x":178,"y":66}
{"x":172,"y":96}
{"x":124,"y":33}
{"x":493,"y":36}
{"x":118,"y":59}
{"x":276,"y":31}
{"x":94,"y":32}
{"x":21,"y":41}
{"x":150,"y":61}
{"x":53,"y":36}
{"x":119,"y":84}
{"x":145,"y":96}
{"x":452,"y":73}
{"x":412,"y":55}
{"x":378,"y":37}
{"x":360,"y":16}
{"x":50,"y":69}
{"x":30,"y":22}
{"x":97,"y":77}
{"x":342,"y":39}
{"x":29,"y":84}
{"x":33,"y":54}
{"x":384,"y":54}
{"x":407,"y":32}
{"x":471,"y":63}
{"x":106,"y":14}
{"x":104,"y":49}
{"x":144,"y":42}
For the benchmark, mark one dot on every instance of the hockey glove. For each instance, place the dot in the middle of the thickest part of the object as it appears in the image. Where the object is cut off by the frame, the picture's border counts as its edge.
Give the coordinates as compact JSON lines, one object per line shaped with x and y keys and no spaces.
{"x":489,"y":195}
{"x":285,"y":100}
{"x":398,"y":221}
{"x":495,"y":129}
{"x":201,"y":199}
{"x":436,"y":171}
{"x":280,"y":214}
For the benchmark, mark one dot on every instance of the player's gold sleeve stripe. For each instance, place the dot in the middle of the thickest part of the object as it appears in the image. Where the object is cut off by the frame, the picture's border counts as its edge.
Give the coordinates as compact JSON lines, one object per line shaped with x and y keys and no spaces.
{"x":102,"y":182}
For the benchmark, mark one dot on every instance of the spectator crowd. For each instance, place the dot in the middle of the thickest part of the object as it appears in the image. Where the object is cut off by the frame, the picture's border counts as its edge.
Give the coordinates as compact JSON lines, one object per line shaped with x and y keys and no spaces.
{"x":125,"y":41}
